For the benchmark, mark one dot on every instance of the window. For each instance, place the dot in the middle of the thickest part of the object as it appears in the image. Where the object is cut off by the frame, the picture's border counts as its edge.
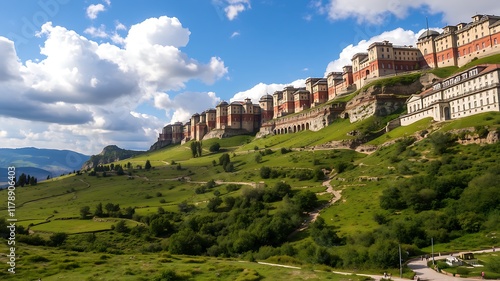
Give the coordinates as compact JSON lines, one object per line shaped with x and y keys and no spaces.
{"x":495,"y":41}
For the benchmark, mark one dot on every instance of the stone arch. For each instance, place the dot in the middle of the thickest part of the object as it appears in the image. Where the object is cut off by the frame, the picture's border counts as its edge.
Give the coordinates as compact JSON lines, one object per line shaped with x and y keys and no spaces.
{"x":303,"y":127}
{"x":307,"y":126}
{"x":295,"y":128}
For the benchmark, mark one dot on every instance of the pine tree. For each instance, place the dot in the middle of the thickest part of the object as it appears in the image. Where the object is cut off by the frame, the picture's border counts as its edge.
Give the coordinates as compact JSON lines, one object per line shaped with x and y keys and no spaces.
{"x":148,"y":165}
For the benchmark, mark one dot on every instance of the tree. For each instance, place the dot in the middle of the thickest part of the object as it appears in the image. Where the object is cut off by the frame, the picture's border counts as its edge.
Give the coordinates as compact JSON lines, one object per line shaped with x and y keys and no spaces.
{"x":305,"y":200}
{"x":22,"y":180}
{"x":213,"y":203}
{"x":120,"y":171}
{"x":193,"y":148}
{"x":121,"y":227}
{"x":148,"y":165}
{"x":265,"y":172}
{"x":440,"y":142}
{"x":198,"y":149}
{"x":84,"y":212}
{"x":98,"y":210}
{"x":186,"y":242}
{"x":322,"y":234}
{"x":258,"y":158}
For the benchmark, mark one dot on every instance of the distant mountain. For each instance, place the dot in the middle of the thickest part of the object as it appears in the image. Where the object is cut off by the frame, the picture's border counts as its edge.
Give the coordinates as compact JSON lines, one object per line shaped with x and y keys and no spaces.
{"x":39,"y":162}
{"x":109,"y":154}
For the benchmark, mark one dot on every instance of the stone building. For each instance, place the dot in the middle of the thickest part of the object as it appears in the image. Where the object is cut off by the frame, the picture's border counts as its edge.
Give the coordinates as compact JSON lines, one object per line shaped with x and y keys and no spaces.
{"x":384,"y":59}
{"x":459,"y":44}
{"x":470,"y":92}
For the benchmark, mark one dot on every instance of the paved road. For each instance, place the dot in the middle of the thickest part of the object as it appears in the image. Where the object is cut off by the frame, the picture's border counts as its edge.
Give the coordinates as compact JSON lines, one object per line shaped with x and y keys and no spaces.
{"x":426,"y":273}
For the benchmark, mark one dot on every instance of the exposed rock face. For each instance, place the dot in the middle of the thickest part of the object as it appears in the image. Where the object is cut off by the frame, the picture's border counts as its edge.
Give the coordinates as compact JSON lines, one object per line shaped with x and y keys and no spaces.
{"x":225,"y":133}
{"x":383,"y":100}
{"x":109,"y":154}
{"x":471,"y":137}
{"x":160,"y":144}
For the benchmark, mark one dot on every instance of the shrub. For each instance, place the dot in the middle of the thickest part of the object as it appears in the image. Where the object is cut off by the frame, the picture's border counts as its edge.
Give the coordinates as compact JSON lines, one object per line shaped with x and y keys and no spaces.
{"x":214,"y":147}
{"x":265,"y":172}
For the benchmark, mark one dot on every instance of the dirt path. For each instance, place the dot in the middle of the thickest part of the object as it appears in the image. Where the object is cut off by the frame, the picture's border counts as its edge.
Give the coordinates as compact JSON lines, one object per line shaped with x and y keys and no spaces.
{"x":313,"y":215}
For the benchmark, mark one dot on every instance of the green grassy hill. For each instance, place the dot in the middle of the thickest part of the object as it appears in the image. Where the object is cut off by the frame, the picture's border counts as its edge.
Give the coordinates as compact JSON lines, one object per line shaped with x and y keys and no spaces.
{"x":407,"y":191}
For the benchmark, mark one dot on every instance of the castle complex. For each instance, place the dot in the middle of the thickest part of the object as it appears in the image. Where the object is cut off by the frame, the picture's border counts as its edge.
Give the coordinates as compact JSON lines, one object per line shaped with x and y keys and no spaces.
{"x":313,"y":107}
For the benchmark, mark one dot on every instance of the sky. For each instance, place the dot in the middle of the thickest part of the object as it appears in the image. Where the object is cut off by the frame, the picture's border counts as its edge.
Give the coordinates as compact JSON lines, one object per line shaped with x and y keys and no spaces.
{"x":81,"y":75}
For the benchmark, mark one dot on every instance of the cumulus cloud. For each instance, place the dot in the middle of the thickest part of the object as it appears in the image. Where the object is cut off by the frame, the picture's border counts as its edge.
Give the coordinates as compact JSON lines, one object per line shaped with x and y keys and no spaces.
{"x":376,"y":11}
{"x":89,"y":91}
{"x":95,"y":9}
{"x":257,"y":91}
{"x":232,"y":8}
{"x":397,"y":36}
{"x":181,"y":107}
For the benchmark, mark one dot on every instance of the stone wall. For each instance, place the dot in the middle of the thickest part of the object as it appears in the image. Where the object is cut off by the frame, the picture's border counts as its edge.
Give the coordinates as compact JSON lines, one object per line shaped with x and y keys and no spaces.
{"x":313,"y":119}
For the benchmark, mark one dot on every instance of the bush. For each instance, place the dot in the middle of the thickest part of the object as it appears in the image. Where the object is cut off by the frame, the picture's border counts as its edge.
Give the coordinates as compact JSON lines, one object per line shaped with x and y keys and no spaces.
{"x":168,"y":275}
{"x":265,"y":172}
{"x":214,"y":147}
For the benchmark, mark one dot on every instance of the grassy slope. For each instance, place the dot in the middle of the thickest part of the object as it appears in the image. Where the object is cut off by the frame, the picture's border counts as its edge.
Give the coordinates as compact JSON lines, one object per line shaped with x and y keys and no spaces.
{"x":63,"y":197}
{"x":61,"y":265}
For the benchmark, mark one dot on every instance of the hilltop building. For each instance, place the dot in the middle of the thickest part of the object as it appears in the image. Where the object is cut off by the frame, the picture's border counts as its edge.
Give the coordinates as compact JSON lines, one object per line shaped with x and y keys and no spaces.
{"x":459,"y":44}
{"x":473,"y":91}
{"x":311,"y":108}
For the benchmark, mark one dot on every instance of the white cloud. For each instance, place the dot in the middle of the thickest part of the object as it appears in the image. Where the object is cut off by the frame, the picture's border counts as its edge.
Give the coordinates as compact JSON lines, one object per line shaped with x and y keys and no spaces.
{"x":236,"y":33}
{"x":261,"y":89}
{"x":182,"y":107}
{"x":89,"y":92}
{"x":108,"y":2}
{"x":99,"y":32}
{"x":120,"y":26}
{"x":93,"y":10}
{"x":397,"y":36}
{"x":376,"y":11}
{"x":232,"y":8}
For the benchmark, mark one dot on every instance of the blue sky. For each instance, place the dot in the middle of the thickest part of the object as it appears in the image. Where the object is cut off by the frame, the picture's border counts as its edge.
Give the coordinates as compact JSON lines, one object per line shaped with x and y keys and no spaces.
{"x":84,"y":74}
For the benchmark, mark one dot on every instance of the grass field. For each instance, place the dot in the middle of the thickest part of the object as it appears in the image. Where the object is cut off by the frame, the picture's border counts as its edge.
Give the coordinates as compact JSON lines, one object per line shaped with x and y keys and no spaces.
{"x":51,"y":264}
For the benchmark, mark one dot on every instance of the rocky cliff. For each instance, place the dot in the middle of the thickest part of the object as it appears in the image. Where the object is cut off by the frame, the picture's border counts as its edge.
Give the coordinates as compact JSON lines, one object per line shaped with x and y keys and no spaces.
{"x":386,"y":96}
{"x":109,"y":154}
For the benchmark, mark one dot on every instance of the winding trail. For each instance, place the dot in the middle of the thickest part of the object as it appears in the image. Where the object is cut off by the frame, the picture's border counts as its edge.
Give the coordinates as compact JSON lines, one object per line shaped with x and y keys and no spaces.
{"x":313,"y":215}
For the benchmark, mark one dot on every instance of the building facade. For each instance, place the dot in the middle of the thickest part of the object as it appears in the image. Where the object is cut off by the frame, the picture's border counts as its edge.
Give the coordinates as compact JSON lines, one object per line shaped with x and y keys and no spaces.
{"x":473,"y":91}
{"x":468,"y":93}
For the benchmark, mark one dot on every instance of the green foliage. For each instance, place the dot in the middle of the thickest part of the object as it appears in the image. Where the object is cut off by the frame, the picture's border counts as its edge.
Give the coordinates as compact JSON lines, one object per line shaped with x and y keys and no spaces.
{"x":84,"y":212}
{"x":121,"y":227}
{"x":196,"y":148}
{"x":147,"y":166}
{"x":213,"y":203}
{"x":494,"y":264}
{"x":265,"y":172}
{"x":258,"y":158}
{"x":214,"y":147}
{"x":305,"y":200}
{"x":57,"y":239}
{"x":322,"y":234}
{"x":168,"y":275}
{"x":440,"y":142}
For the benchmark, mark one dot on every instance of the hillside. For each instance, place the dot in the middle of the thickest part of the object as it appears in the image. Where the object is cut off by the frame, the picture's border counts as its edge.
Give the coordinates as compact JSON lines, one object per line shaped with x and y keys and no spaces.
{"x":253,"y":207}
{"x":110,"y":153}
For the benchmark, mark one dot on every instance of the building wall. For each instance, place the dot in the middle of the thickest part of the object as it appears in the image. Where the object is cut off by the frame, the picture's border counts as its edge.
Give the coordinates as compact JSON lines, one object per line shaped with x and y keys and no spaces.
{"x":471,"y":92}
